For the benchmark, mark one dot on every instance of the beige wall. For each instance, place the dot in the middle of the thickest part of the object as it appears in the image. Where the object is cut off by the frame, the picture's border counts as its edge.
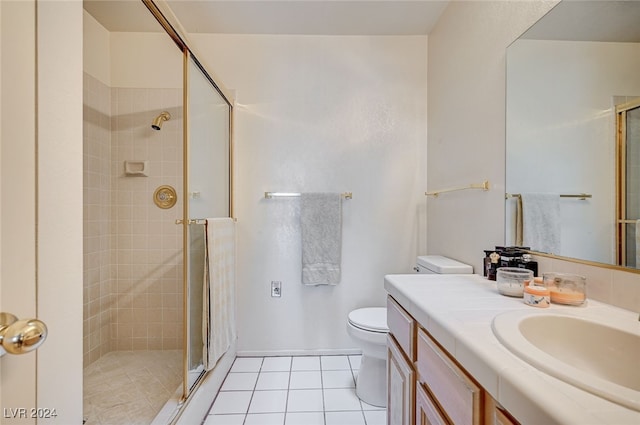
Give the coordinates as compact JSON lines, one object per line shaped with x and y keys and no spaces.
{"x":466,"y":123}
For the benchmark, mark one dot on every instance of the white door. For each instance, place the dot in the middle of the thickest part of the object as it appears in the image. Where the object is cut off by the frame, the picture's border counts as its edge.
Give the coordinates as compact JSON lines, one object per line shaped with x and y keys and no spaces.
{"x":17,"y":200}
{"x":41,"y":205}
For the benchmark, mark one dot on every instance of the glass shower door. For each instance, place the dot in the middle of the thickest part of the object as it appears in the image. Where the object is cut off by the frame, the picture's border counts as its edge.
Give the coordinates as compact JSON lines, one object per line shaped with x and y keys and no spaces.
{"x":207,"y":192}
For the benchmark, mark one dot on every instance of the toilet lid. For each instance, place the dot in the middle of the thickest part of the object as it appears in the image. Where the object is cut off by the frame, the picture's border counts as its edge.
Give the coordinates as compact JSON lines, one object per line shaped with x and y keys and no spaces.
{"x":371,"y":319}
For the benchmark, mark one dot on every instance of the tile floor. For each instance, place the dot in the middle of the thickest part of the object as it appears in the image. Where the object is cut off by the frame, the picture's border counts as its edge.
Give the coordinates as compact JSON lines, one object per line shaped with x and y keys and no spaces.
{"x":130,"y":387}
{"x":304,"y":390}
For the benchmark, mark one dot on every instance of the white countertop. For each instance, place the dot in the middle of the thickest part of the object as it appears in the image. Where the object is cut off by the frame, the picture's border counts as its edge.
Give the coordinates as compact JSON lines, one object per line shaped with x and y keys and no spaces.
{"x":458,"y":310}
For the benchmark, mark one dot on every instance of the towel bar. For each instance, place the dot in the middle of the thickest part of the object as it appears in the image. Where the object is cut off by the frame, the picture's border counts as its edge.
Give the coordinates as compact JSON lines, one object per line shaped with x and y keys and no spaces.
{"x":580,"y":196}
{"x":484,"y":186}
{"x":269,"y":195}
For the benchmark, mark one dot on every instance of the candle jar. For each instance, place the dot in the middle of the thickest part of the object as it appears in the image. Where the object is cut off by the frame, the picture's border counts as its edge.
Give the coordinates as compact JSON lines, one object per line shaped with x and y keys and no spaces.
{"x":512,"y":280}
{"x":566,"y":288}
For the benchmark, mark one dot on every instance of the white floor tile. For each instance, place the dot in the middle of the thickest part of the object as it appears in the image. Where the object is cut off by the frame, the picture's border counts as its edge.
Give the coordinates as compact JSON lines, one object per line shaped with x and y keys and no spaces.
{"x":355,"y":362}
{"x":276,"y":364}
{"x":305,"y":380}
{"x":273,"y":381}
{"x":304,"y":418}
{"x":224,"y":420}
{"x":305,"y":401}
{"x":366,"y":406}
{"x":376,"y":417}
{"x":337,"y":379}
{"x":264,"y":419}
{"x":341,"y":399}
{"x":345,"y":418}
{"x":240,"y":381}
{"x":247,"y":364}
{"x":302,"y":390}
{"x":231,"y":402}
{"x":305,"y":363}
{"x":335,"y":363}
{"x":268,"y":402}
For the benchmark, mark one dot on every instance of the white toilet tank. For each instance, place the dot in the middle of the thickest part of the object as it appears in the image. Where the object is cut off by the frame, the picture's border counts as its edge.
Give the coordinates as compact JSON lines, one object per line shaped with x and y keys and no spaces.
{"x":437,"y":264}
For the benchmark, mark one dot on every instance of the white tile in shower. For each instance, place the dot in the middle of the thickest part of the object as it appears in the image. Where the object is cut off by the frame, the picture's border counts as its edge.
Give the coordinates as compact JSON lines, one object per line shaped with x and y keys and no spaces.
{"x":343,"y":418}
{"x":310,"y":379}
{"x":305,"y":363}
{"x":276,"y":364}
{"x":335,"y":363}
{"x":337,"y":379}
{"x":240,"y":381}
{"x":341,"y":399}
{"x":273,"y":381}
{"x":305,"y":401}
{"x":247,"y":364}
{"x":268,"y":401}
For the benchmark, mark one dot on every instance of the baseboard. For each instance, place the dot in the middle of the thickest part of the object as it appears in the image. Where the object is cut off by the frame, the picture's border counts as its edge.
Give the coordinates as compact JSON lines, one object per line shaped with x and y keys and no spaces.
{"x":281,"y":353}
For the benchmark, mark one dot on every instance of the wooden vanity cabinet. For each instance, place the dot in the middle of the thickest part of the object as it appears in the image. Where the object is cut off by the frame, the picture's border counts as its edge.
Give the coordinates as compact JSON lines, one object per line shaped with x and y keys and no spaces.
{"x":426,"y":386}
{"x":400,"y":386}
{"x":427,"y":410}
{"x":456,"y":393}
{"x":400,"y":371}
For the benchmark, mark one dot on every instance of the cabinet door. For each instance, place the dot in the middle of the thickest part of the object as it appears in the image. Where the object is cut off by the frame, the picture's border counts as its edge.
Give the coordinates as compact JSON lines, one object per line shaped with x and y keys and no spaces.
{"x":456,"y":393}
{"x":427,"y":413}
{"x":495,"y":415}
{"x":400,"y":385}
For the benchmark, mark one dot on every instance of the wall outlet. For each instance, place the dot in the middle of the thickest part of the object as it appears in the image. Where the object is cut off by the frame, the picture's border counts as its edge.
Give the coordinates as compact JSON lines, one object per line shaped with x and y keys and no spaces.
{"x":276,"y":288}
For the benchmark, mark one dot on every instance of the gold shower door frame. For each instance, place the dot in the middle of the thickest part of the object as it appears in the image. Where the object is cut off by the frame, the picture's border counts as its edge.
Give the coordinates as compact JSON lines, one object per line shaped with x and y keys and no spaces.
{"x":621,"y":182}
{"x":188,"y":55}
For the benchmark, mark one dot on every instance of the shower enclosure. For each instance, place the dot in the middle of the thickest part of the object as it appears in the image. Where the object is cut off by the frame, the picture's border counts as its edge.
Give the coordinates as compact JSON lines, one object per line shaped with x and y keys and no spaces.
{"x":156,"y":162}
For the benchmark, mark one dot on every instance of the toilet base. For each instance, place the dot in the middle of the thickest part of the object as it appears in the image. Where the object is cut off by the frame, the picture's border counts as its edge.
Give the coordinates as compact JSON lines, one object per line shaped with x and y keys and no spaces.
{"x":371,"y":384}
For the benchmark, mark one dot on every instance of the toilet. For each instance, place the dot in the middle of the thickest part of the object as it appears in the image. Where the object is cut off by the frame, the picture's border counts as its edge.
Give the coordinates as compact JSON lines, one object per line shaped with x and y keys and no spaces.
{"x":368,"y":327}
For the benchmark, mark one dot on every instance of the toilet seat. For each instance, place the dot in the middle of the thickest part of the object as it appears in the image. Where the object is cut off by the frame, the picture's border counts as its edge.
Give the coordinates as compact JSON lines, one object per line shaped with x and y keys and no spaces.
{"x":371,"y":319}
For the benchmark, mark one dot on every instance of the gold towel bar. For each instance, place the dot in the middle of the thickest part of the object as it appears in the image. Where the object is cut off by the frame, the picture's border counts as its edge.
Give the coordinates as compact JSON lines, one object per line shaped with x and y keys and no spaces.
{"x":197,"y":221}
{"x":269,"y":195}
{"x":580,"y":196}
{"x":484,"y":186}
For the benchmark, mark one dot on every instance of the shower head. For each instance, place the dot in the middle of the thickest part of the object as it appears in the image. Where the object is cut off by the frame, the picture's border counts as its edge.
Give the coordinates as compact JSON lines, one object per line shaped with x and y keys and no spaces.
{"x":157,"y":122}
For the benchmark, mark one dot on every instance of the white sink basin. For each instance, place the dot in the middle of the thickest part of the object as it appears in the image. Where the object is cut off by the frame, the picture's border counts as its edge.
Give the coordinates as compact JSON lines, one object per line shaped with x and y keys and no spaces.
{"x":600,"y":357}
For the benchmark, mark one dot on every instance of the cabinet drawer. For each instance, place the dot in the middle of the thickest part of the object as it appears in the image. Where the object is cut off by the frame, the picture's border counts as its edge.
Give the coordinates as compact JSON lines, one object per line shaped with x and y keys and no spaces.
{"x":457,"y":394}
{"x":427,"y":412}
{"x":402,"y":326}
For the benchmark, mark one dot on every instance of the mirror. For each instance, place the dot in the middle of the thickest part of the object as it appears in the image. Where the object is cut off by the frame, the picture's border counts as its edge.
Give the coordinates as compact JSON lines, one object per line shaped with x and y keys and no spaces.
{"x":565,"y":77}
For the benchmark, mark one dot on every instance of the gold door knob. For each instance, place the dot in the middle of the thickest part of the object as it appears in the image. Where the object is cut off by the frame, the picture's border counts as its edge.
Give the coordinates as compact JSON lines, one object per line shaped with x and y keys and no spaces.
{"x":20,"y":336}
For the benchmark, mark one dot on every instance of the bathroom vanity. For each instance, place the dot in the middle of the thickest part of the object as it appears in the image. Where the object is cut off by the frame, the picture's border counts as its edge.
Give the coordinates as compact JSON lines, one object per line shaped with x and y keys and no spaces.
{"x":447,"y":366}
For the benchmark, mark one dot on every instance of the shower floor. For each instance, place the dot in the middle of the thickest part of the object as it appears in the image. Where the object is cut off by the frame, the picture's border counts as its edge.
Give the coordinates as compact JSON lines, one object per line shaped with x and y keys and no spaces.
{"x":130,"y":387}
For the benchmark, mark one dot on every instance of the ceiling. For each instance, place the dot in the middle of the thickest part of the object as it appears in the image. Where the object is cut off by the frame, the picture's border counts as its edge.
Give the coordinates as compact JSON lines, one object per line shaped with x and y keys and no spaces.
{"x":593,"y":20}
{"x":306,"y":17}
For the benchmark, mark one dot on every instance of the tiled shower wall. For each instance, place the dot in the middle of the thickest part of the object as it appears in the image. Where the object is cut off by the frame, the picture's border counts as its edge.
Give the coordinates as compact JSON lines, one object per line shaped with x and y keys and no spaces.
{"x":133,"y":249}
{"x":97,"y":294}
